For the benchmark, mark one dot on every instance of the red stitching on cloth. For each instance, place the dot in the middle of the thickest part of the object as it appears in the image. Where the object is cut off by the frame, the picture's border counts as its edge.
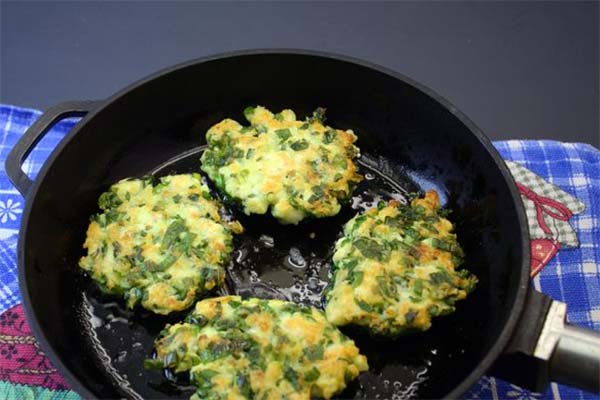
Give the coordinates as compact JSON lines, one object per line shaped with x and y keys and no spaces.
{"x":545,"y":205}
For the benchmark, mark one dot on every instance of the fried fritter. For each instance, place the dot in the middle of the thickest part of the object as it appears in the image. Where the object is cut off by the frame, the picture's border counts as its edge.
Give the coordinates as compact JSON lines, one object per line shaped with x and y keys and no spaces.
{"x":158,"y":245}
{"x":296,"y":168}
{"x":395,"y":269}
{"x":263,"y":349}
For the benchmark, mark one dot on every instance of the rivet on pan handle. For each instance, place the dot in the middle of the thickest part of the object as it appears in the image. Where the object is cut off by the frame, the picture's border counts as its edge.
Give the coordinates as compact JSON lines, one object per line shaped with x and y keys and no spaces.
{"x":35,"y":133}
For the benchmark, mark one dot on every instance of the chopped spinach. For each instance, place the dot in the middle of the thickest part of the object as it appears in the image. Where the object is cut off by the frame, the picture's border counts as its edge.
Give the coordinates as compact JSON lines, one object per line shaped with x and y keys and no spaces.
{"x":318,"y":116}
{"x":355,"y":278}
{"x":439,"y":277}
{"x":314,"y":353}
{"x":291,"y":376}
{"x":386,"y":287}
{"x":171,"y":236}
{"x":109,"y":200}
{"x":299,"y":145}
{"x":153,"y":364}
{"x":283,"y":134}
{"x":261,"y":129}
{"x":443,"y":245}
{"x":248,"y":112}
{"x":418,"y":286}
{"x":312,"y":375}
{"x":370,"y":248}
{"x":329,"y":136}
{"x":364,"y":305}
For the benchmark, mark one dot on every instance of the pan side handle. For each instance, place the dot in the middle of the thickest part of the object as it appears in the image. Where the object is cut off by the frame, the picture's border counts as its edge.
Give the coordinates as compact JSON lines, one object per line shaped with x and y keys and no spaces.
{"x":35,"y":133}
{"x":545,"y":347}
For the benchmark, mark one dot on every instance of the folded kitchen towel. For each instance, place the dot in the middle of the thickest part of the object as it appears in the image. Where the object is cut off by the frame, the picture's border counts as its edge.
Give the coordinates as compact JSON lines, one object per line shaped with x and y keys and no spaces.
{"x":560,"y":187}
{"x":561,"y":194}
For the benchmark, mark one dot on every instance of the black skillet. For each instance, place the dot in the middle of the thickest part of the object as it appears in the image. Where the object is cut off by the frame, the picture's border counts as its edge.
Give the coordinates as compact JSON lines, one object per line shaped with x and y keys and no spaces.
{"x":412,"y":140}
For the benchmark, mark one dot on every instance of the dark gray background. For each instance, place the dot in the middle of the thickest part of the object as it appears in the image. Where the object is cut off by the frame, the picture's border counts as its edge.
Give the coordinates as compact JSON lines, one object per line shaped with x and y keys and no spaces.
{"x":519,"y":70}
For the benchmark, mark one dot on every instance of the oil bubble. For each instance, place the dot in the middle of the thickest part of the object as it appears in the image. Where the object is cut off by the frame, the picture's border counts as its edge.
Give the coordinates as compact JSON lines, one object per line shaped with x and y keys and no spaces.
{"x":295,"y":258}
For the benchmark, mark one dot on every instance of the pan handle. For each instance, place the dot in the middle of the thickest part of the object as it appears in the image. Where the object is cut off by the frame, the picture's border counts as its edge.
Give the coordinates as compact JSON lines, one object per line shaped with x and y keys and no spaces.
{"x":35,"y":133}
{"x":545,"y":347}
{"x":573,"y":352}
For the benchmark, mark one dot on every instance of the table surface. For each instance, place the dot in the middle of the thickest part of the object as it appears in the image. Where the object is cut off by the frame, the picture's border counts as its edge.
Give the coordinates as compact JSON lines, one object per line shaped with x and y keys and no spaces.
{"x":518,"y":70}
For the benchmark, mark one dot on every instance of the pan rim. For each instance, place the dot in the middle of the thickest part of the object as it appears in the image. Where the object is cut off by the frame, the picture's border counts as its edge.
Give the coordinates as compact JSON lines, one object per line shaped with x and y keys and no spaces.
{"x":515,"y":309}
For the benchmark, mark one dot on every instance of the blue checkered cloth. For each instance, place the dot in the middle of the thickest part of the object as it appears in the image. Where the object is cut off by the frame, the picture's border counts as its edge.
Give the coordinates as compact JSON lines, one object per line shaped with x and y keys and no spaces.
{"x":573,"y":276}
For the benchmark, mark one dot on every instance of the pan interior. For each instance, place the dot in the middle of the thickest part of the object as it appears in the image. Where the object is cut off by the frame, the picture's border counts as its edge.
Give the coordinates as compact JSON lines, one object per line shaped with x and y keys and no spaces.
{"x":286,"y":262}
{"x":412,"y":138}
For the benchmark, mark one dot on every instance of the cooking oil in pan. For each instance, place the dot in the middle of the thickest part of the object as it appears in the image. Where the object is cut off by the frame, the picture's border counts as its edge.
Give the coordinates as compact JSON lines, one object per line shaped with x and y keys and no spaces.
{"x":290,"y":262}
